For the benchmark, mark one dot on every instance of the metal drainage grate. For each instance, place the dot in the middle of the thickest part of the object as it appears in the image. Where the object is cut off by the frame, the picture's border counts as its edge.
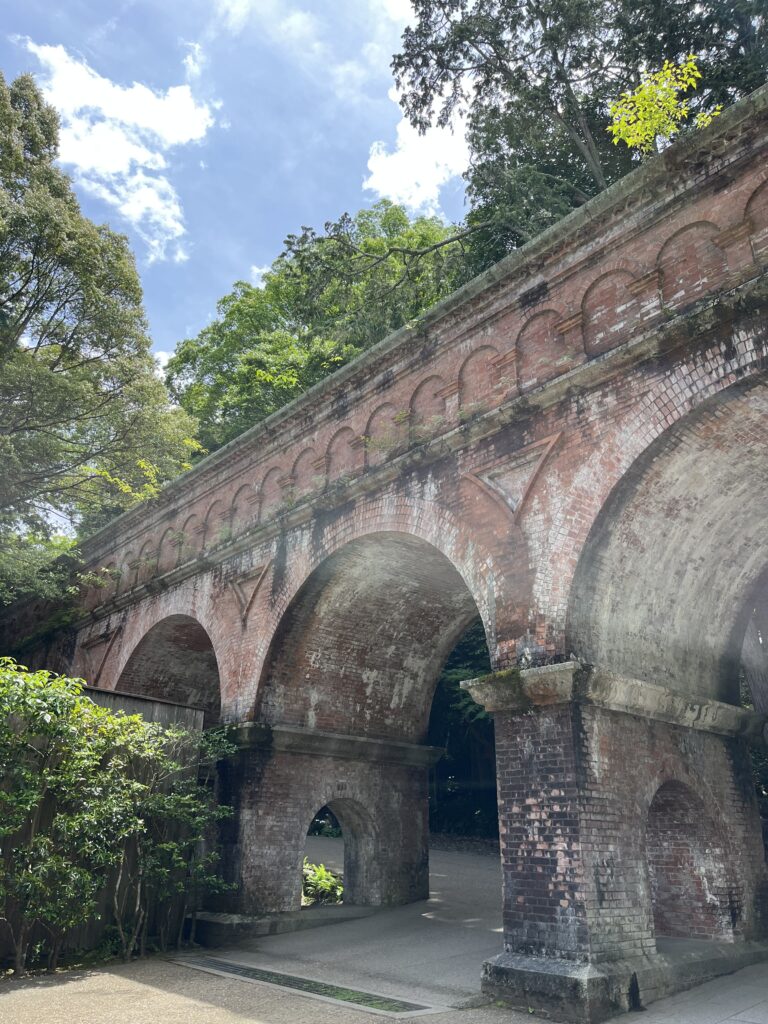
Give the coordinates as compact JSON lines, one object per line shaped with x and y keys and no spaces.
{"x":383,"y":1004}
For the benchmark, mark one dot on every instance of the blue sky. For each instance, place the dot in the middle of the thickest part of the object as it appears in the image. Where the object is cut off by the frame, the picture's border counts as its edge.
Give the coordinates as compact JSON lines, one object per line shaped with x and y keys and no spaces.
{"x":207,"y":130}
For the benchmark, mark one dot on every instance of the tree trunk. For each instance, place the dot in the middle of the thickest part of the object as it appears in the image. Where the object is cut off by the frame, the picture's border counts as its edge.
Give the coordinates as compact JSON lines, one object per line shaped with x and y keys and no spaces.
{"x":20,"y":949}
{"x":53,"y":956}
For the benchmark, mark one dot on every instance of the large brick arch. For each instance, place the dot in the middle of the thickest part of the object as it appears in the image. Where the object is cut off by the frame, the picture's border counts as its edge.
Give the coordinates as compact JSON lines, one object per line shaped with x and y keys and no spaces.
{"x":360,"y":646}
{"x":590,"y":462}
{"x":174,"y":661}
{"x":670,"y":560}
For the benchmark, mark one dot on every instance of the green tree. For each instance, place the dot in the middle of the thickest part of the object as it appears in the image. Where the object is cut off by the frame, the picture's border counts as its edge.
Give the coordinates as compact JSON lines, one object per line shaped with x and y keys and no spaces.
{"x":534,"y":80}
{"x":168,"y":864}
{"x":65,"y":804}
{"x":654,"y":111}
{"x":327,"y":298}
{"x":90,"y":799}
{"x":86,"y":427}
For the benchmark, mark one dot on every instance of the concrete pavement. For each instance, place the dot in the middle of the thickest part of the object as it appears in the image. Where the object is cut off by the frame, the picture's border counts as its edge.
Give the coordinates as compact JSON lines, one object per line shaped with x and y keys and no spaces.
{"x":427,"y":953}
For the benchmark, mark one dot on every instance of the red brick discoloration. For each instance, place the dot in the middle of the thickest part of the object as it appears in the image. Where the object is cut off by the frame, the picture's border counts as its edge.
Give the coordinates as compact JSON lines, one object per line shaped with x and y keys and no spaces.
{"x":572,"y":448}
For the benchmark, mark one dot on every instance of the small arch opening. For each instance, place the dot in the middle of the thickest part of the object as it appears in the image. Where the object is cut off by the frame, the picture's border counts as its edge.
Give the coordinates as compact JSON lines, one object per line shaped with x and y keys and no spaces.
{"x":341,"y":840}
{"x":690,"y":895}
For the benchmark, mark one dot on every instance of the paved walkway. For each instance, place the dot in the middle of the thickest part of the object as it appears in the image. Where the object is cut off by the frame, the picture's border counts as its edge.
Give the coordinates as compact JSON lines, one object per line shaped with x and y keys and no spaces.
{"x":158,"y":992}
{"x":428,"y":953}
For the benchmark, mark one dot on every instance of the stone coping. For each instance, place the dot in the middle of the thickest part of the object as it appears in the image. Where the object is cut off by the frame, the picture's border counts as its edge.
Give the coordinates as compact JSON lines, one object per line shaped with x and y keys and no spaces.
{"x":298,"y":740}
{"x":521,"y":691}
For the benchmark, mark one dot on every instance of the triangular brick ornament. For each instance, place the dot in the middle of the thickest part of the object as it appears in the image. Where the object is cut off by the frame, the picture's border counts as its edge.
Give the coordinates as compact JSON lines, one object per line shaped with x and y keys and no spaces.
{"x":510,"y":480}
{"x":246,"y":587}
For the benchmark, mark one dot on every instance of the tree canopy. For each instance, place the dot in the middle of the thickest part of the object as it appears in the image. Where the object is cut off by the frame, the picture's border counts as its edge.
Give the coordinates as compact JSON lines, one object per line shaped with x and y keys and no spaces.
{"x":327,"y":298}
{"x":86,"y":427}
{"x":534,"y":80}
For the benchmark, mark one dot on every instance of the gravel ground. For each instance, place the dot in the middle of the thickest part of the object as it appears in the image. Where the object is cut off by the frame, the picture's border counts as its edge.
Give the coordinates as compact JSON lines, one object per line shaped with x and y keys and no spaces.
{"x":157,"y":992}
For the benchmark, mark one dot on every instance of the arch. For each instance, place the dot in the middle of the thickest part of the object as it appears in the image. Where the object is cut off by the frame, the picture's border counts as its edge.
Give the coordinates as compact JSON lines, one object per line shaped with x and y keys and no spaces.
{"x":146,"y":566}
{"x":691,"y":264}
{"x":102,"y":588}
{"x":168,"y":551}
{"x":393,"y":585}
{"x":757,"y":217}
{"x":539,"y":347}
{"x":477,"y":380}
{"x":215,"y":526}
{"x":175,"y":661}
{"x":351,"y":670}
{"x":609,"y":311}
{"x":271,"y":493}
{"x":304,"y":476}
{"x":663,"y":576}
{"x":190,"y":538}
{"x":384,"y":433}
{"x":687,"y":867}
{"x":244,"y":510}
{"x":427,"y":407}
{"x":127,"y":573}
{"x":341,"y":457}
{"x":362,"y":864}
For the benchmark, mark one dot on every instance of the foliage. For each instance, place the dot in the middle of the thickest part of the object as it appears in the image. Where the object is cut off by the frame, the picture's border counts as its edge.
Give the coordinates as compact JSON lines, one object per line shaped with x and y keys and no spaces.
{"x":534,"y":82}
{"x":171,"y":862}
{"x":90,"y":798}
{"x":463,"y":785}
{"x":31,"y":562}
{"x":86,"y":427}
{"x":326,"y":299}
{"x":325,"y":823}
{"x":655,"y":110}
{"x":320,"y":885}
{"x":63,"y":810}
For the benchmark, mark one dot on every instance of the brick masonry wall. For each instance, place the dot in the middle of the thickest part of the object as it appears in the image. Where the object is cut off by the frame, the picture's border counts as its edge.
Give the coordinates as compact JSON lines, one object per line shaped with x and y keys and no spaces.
{"x":614,"y":309}
{"x":591,"y":811}
{"x":382,"y":809}
{"x":690,"y":894}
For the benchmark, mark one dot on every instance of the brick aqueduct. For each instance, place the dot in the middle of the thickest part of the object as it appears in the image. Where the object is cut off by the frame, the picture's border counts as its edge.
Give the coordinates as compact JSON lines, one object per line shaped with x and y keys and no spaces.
{"x":572,"y":447}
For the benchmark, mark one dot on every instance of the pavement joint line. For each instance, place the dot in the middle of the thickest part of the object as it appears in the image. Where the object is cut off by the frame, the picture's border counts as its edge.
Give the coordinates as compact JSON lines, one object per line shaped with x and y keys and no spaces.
{"x":311,"y":987}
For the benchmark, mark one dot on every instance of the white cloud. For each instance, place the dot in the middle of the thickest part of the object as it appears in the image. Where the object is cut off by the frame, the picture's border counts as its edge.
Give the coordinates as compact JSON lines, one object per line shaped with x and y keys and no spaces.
{"x":297,"y":29}
{"x":399,"y":11}
{"x":257,"y":274}
{"x":313,"y":43}
{"x":162,"y":358}
{"x":116,"y":138}
{"x":195,"y":60}
{"x":414,"y":172}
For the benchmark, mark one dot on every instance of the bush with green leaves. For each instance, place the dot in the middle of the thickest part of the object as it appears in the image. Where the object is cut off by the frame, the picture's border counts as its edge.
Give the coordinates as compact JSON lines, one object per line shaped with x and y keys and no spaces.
{"x":93,"y":800}
{"x":320,"y":885}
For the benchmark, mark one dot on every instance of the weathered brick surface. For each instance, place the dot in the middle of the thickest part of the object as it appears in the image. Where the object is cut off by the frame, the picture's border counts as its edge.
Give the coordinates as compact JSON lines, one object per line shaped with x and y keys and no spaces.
{"x":617,"y":829}
{"x":573,"y":448}
{"x":381,"y":809}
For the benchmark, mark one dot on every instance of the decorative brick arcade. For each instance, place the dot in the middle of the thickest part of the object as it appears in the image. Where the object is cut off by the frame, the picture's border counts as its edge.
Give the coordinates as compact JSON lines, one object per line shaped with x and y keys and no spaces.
{"x":572,"y":447}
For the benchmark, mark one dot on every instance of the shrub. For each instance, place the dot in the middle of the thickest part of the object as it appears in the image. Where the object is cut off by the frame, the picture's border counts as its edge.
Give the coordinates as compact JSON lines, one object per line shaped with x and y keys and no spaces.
{"x":92,"y":800}
{"x":320,"y":885}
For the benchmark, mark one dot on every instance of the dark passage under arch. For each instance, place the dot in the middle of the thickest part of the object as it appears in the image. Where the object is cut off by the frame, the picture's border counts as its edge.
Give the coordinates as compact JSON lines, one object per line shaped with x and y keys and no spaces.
{"x":175,"y":661}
